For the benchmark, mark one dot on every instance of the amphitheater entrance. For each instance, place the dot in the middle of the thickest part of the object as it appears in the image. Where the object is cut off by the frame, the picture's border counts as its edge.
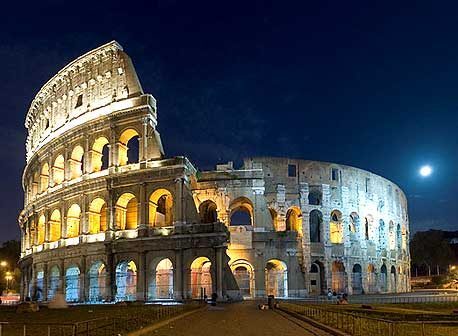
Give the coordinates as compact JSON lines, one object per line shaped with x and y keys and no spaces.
{"x":244,"y":276}
{"x":276,"y":274}
{"x":338,"y":277}
{"x":126,"y":281}
{"x":160,"y":285}
{"x":317,"y":283}
{"x":72,"y":284}
{"x":38,"y":291}
{"x":371,"y":279}
{"x":201,"y":279}
{"x":393,"y":279}
{"x":383,"y":279}
{"x":97,"y":282}
{"x":54,"y":279}
{"x":356,"y":279}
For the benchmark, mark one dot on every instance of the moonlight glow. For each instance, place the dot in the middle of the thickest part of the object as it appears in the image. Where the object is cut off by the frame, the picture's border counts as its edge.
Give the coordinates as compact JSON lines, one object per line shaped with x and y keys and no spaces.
{"x":426,"y":171}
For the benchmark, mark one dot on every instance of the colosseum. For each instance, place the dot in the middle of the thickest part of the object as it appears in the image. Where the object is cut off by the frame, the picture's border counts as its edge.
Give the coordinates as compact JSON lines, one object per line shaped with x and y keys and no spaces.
{"x":108,"y":217}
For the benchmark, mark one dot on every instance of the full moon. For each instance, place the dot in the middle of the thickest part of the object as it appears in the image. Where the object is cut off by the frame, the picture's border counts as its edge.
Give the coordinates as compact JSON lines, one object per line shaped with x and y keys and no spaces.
{"x":426,"y":171}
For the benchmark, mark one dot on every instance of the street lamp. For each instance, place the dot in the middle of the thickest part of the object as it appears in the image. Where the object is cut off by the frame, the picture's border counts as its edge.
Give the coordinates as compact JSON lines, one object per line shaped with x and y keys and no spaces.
{"x":3,"y":263}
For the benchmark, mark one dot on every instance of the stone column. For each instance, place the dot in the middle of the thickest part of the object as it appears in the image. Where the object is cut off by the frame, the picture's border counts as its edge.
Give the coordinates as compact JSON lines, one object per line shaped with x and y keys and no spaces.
{"x":62,"y":282}
{"x":178,"y":276}
{"x":143,"y":141}
{"x":142,"y":212}
{"x":83,"y":281}
{"x":219,"y":272}
{"x":87,"y":157}
{"x":44,"y":290}
{"x":141,"y":277}
{"x":179,"y":202}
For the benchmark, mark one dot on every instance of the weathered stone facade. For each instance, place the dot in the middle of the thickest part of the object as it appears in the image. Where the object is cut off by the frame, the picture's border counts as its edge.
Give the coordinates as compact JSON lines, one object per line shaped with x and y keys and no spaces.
{"x":107,"y":217}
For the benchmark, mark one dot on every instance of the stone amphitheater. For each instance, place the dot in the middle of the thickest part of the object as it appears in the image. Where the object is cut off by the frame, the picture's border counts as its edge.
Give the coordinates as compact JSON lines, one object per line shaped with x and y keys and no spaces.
{"x":108,"y":217}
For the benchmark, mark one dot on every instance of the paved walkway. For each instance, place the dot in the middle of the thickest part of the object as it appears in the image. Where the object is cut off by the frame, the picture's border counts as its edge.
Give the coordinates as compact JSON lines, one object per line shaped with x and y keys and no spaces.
{"x":243,"y":319}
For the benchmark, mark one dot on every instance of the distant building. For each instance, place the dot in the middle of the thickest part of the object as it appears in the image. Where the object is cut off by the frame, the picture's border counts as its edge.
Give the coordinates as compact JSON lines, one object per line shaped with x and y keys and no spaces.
{"x":108,"y":217}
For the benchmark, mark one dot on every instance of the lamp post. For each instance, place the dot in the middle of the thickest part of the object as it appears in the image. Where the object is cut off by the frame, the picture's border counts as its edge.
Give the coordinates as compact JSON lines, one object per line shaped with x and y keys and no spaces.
{"x":8,"y":278}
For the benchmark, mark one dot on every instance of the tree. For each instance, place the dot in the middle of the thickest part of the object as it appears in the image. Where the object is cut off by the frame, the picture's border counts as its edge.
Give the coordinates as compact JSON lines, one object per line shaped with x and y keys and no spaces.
{"x":10,"y":252}
{"x":430,"y":249}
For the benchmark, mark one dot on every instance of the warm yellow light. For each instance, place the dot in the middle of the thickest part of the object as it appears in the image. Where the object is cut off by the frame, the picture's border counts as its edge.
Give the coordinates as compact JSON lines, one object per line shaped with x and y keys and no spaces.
{"x":3,"y":263}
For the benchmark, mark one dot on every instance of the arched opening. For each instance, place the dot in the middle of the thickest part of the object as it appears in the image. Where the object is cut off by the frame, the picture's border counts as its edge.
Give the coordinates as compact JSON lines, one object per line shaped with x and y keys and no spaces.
{"x":381,"y":234}
{"x":241,"y":212}
{"x":316,"y":221}
{"x":314,"y":197}
{"x":41,"y":229}
{"x":37,"y":292}
{"x":367,"y":224}
{"x":44,"y":177}
{"x":317,"y":279}
{"x":383,"y":279}
{"x":55,"y":226}
{"x":161,"y":281}
{"x":356,"y":279}
{"x":128,"y":149}
{"x":53,"y":283}
{"x":58,"y":170}
{"x":398,"y":237}
{"x":35,"y":184}
{"x":338,"y":277}
{"x":126,"y":212}
{"x":371,"y":279}
{"x":208,"y":212}
{"x":99,"y":154}
{"x":335,"y":227}
{"x":294,"y":220}
{"x":161,"y":208}
{"x":392,"y":236}
{"x":276,"y":274}
{"x":274,"y":217}
{"x":244,"y":276}
{"x":73,"y":221}
{"x":393,"y":279}
{"x":97,"y":216}
{"x":126,"y":281}
{"x":72,"y":284}
{"x":201,"y":278}
{"x":353,"y":227}
{"x":97,"y":282}
{"x":76,"y":162}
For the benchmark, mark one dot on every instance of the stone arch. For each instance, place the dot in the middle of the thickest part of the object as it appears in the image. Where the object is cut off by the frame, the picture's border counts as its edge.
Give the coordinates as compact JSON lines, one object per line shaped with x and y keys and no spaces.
{"x":368,"y":220}
{"x":244,"y":275}
{"x":336,"y":227}
{"x":381,"y":234}
{"x":357,"y":279}
{"x":276,"y":276}
{"x":160,"y":280}
{"x":126,"y":140}
{"x":317,"y":278}
{"x":73,"y":221}
{"x":126,"y":281}
{"x":53,"y":281}
{"x":393,"y":279}
{"x":315,"y":196}
{"x":41,"y":230}
{"x":398,"y":237}
{"x":208,"y":212}
{"x":72,"y":283}
{"x":44,"y":177}
{"x":126,"y":214}
{"x":38,"y":290}
{"x":316,"y":226}
{"x":354,"y":224}
{"x":55,"y":232}
{"x":274,"y":216}
{"x":371,"y":279}
{"x":58,"y":170}
{"x":160,"y":208}
{"x":97,"y":282}
{"x":35,"y":183}
{"x":99,"y":154}
{"x":294,"y":219}
{"x":76,"y":162}
{"x":338,"y":276}
{"x":241,"y":212}
{"x":201,"y":281}
{"x":97,"y":216}
{"x":383,"y":280}
{"x":392,"y":235}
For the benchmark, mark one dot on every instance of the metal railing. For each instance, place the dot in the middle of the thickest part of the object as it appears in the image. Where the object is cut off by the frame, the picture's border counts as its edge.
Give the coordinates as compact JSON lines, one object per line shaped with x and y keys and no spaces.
{"x":122,"y":321}
{"x":360,"y":325}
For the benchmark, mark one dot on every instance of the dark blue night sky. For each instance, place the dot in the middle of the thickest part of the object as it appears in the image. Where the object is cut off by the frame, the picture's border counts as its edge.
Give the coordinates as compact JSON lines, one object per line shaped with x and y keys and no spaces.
{"x":372,"y":84}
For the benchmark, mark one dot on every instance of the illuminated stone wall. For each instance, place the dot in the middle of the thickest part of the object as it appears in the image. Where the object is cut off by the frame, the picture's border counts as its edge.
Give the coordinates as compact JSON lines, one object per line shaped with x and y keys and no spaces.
{"x":107,"y":217}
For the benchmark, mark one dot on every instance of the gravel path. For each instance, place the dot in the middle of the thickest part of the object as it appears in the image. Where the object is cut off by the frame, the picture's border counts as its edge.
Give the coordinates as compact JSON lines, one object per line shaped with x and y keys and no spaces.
{"x":243,"y":319}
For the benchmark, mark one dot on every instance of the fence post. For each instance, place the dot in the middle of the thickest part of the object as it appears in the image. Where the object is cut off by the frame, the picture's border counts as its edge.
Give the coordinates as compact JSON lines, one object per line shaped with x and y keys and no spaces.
{"x":25,"y":330}
{"x":74,"y":330}
{"x":422,"y":328}
{"x":49,"y":330}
